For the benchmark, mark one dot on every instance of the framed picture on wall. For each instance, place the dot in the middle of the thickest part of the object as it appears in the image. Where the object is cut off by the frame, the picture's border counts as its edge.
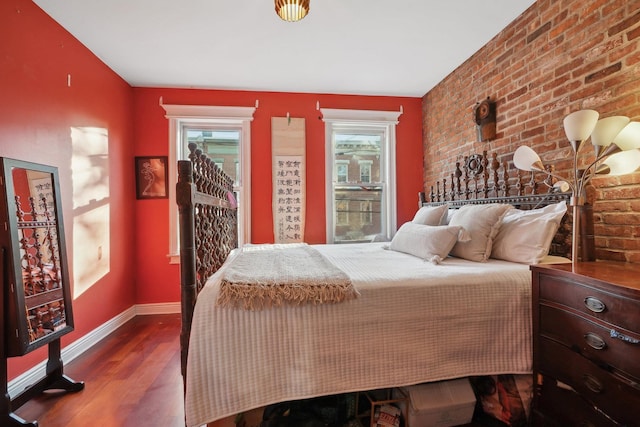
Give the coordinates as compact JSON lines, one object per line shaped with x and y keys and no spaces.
{"x":152,"y":177}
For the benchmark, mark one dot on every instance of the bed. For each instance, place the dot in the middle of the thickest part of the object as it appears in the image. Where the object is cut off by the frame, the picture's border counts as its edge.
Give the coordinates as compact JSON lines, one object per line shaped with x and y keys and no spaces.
{"x":412,"y":317}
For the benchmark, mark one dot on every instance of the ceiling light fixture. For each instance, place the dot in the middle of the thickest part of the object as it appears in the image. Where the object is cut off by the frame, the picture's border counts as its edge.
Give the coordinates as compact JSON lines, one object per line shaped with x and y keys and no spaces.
{"x":292,"y":10}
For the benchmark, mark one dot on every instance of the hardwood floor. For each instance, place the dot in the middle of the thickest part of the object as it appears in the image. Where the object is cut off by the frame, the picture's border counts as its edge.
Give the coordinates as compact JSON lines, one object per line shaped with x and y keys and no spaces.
{"x":132,"y":378}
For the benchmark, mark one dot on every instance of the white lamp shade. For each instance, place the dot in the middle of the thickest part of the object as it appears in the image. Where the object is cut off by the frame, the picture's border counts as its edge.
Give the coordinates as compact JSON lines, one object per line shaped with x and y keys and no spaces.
{"x":629,"y":137}
{"x":608,"y":128}
{"x":579,"y":124}
{"x":526,"y":159}
{"x":623,"y":162}
{"x":562,"y":186}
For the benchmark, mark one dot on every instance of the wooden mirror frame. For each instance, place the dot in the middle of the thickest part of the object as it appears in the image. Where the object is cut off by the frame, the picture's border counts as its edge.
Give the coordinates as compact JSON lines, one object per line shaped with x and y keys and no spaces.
{"x":36,"y":291}
{"x":36,"y":278}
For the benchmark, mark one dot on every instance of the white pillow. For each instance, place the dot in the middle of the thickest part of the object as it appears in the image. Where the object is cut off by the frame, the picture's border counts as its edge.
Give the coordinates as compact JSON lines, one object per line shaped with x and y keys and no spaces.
{"x":430,"y":215}
{"x":525,"y":236}
{"x":446,"y":219}
{"x":431,"y":243}
{"x":482,"y":223}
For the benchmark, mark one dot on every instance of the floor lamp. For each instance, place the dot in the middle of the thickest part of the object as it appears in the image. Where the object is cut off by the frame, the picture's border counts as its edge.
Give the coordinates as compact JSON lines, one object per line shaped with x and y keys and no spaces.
{"x":615,"y":141}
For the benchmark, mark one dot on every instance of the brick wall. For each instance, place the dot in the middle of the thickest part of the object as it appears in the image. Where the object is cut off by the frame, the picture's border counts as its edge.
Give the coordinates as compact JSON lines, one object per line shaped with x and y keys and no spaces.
{"x":559,"y":56}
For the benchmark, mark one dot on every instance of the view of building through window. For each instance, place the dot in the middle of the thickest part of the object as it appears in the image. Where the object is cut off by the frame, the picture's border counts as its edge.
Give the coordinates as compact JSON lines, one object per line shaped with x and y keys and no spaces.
{"x":220,"y":145}
{"x":358,"y":186}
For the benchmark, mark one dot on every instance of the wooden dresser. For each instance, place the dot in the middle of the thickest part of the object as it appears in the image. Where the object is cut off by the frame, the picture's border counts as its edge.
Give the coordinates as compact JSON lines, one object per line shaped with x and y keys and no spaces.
{"x":586,"y":350}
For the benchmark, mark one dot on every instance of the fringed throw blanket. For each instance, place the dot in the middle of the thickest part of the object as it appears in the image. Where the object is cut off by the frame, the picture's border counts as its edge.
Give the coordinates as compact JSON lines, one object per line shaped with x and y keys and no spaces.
{"x":266,"y":276}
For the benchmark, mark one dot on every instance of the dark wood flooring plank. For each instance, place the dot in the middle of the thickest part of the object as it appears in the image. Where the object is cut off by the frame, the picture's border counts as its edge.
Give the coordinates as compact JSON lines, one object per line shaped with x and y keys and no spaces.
{"x":132,"y":378}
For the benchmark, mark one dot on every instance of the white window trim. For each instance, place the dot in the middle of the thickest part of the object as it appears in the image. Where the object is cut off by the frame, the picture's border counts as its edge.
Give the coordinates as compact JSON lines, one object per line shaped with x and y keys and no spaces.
{"x":387,"y":119}
{"x":180,"y":115}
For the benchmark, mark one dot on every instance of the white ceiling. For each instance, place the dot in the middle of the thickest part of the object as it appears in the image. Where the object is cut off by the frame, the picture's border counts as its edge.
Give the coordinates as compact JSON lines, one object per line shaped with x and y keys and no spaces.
{"x":363,"y":47}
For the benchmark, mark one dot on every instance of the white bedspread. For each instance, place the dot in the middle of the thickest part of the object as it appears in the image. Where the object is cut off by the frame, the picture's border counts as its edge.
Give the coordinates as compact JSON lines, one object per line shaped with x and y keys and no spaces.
{"x":413,"y":322}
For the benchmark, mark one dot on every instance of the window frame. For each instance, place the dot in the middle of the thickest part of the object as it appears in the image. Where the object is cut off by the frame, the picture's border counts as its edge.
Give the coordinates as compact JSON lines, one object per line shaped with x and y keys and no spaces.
{"x":342,"y":119}
{"x":180,"y":116}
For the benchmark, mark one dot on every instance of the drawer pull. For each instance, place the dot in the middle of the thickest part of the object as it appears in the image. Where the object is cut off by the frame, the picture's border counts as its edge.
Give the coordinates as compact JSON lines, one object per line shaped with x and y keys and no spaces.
{"x":623,"y":337}
{"x":592,"y":383}
{"x":594,"y":304}
{"x":594,"y":341}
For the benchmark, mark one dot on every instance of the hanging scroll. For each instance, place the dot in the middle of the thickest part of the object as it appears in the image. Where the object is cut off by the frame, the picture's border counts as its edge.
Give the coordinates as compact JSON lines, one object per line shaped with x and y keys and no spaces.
{"x":288,"y":148}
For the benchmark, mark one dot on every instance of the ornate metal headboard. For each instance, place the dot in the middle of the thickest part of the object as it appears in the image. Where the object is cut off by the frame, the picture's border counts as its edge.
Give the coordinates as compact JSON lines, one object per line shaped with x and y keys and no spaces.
{"x":482,"y":180}
{"x":208,"y":229}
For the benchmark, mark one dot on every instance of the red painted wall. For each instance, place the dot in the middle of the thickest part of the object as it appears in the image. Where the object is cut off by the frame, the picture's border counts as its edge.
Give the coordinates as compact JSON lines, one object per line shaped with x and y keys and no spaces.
{"x":157,"y":280}
{"x":37,"y":113}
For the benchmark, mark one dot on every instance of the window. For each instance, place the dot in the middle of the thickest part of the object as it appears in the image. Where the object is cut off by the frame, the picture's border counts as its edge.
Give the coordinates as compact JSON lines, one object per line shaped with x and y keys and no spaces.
{"x":362,"y":206}
{"x":224,"y":133}
{"x":365,"y":170}
{"x":342,"y":170}
{"x":366,"y":214}
{"x":221,"y":143}
{"x":342,"y":212}
{"x":220,"y":162}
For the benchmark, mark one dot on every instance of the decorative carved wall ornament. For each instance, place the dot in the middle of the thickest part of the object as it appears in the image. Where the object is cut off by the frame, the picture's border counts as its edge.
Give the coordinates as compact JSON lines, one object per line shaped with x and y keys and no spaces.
{"x":484,"y":114}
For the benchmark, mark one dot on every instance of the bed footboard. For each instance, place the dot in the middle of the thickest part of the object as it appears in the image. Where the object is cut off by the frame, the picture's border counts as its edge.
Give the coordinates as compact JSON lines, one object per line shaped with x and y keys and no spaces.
{"x":207,"y":218}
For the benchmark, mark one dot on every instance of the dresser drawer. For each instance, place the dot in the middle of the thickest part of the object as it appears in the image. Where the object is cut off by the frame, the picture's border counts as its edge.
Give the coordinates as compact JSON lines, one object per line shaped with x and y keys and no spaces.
{"x":606,"y":306}
{"x":563,"y":407}
{"x":591,"y":339}
{"x":618,"y":399}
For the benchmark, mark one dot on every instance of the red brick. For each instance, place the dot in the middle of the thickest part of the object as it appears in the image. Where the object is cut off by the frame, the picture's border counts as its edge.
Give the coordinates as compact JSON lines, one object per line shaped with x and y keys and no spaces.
{"x":611,"y":206}
{"x":632,"y":59}
{"x":628,"y":218}
{"x":627,"y":244}
{"x":538,"y":32}
{"x":621,"y":104}
{"x":606,"y":230}
{"x":621,"y":52}
{"x":600,"y":74}
{"x":604,"y":48}
{"x":627,"y":23}
{"x":564,"y":24}
{"x":570,"y":66}
{"x":565,"y":89}
{"x":633,"y":34}
{"x":632,"y":256}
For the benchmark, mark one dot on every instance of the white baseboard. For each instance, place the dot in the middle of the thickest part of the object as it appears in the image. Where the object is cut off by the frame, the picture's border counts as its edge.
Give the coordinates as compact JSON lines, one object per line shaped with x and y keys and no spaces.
{"x":161,"y":308}
{"x":81,"y":345}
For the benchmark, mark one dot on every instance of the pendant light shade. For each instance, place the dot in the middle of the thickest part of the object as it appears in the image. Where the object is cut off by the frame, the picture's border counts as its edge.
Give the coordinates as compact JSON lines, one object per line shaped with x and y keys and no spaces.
{"x":292,"y":10}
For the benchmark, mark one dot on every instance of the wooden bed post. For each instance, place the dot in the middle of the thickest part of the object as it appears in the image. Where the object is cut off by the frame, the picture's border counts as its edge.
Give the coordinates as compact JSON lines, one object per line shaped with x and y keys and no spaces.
{"x":188,"y":292}
{"x":208,"y":231}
